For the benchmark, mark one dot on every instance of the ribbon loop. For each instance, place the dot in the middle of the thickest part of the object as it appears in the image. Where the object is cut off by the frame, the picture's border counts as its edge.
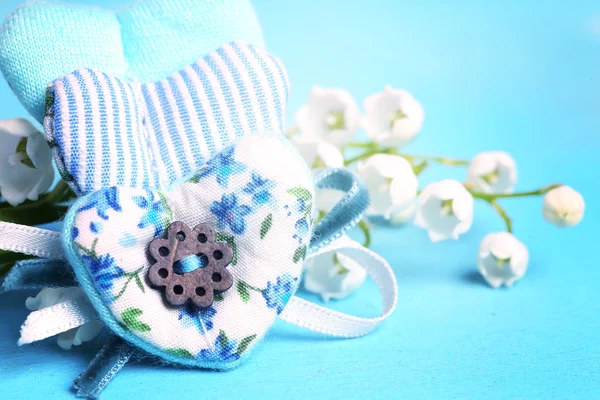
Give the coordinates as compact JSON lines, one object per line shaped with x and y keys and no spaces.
{"x":346,"y":214}
{"x":323,"y":320}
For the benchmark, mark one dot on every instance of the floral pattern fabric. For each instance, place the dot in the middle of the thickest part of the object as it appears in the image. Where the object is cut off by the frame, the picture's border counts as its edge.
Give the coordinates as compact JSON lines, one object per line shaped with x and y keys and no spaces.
{"x":258,"y":196}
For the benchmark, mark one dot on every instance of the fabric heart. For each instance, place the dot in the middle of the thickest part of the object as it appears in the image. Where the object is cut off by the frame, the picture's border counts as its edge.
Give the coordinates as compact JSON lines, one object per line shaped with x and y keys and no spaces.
{"x":108,"y":132}
{"x":257,"y":194}
{"x":147,"y":40}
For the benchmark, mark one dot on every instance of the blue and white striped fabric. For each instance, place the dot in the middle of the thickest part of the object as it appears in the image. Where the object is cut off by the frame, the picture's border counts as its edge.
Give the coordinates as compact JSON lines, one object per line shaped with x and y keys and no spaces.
{"x":110,"y":132}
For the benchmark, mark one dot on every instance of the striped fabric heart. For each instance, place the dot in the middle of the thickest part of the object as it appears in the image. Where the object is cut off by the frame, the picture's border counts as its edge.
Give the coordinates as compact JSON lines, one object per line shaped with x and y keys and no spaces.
{"x":107,"y":131}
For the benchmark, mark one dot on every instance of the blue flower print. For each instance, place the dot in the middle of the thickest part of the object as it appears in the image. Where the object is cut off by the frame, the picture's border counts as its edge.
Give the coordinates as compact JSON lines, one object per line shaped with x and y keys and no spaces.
{"x":223,"y":165}
{"x":301,"y":227}
{"x":225,"y":350}
{"x":230,"y":213}
{"x":157,"y":212}
{"x":278,"y":294}
{"x":104,"y":270}
{"x":107,"y":199}
{"x":260,"y":189}
{"x":189,"y":316}
{"x":95,"y":227}
{"x":297,"y":208}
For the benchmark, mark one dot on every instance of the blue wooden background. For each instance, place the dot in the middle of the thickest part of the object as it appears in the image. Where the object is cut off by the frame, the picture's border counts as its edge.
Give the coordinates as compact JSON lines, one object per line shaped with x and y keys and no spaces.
{"x":519,"y":76}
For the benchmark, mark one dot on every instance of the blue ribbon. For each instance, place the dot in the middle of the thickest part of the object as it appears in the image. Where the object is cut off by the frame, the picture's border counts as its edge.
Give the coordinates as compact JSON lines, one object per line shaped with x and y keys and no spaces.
{"x":105,"y":365}
{"x":347,"y":213}
{"x":38,"y":274}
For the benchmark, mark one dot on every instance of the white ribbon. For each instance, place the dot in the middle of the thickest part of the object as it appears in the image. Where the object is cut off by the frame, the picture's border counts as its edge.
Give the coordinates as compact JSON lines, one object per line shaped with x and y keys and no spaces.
{"x":59,"y":318}
{"x":324,"y":320}
{"x":29,"y":240}
{"x":70,"y":314}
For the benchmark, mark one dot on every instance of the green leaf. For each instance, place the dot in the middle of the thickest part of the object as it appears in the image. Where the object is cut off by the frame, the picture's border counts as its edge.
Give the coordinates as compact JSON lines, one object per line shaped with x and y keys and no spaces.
{"x":301,"y":193}
{"x":130,"y":320}
{"x":49,"y":102}
{"x":230,"y":240}
{"x":266,"y":225}
{"x":299,"y":254}
{"x":242,"y":289}
{"x":139,"y":283}
{"x":180,"y":352}
{"x":223,"y":340}
{"x":219,"y":297}
{"x":244,"y":343}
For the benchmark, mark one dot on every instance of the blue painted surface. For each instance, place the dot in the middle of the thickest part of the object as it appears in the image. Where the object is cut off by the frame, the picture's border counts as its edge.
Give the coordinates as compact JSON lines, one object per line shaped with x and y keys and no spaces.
{"x":511,"y":75}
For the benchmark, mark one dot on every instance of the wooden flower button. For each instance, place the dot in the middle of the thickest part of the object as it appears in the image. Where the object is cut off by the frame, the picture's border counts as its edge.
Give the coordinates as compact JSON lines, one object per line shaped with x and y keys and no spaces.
{"x":200,"y":285}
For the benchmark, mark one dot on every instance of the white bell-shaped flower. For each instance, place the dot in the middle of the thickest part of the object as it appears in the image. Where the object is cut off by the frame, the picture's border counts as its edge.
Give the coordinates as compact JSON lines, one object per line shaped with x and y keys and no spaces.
{"x":392,"y":117}
{"x":25,"y":161}
{"x":330,"y":114}
{"x":318,"y":153}
{"x":333,"y":275}
{"x":73,"y":337}
{"x":502,"y":259}
{"x":445,"y":209}
{"x":493,"y":172}
{"x":405,"y":216}
{"x":391,"y":181}
{"x":563,"y":206}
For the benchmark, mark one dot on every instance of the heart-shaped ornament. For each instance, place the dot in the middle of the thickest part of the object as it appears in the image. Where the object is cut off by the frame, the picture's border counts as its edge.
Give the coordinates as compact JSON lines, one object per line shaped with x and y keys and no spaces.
{"x":257,"y":197}
{"x":107,"y":131}
{"x":147,"y":40}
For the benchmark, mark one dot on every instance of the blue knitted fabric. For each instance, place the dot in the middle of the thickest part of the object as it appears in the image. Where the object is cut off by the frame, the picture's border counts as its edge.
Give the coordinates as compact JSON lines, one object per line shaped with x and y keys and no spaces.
{"x":148,"y":40}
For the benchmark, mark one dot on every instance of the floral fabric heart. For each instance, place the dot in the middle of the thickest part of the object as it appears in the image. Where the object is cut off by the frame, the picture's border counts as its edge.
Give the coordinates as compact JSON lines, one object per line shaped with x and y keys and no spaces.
{"x":257,"y":194}
{"x":147,"y":40}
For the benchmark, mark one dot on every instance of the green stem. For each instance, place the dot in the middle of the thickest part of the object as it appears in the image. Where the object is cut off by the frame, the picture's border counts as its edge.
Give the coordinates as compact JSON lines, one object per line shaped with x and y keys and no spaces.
{"x":502,"y":213}
{"x":130,"y":276}
{"x":357,"y":145}
{"x":253,"y":287}
{"x":417,"y":169}
{"x":372,"y":148}
{"x":493,"y":196}
{"x":364,"y":227}
{"x":453,"y":162}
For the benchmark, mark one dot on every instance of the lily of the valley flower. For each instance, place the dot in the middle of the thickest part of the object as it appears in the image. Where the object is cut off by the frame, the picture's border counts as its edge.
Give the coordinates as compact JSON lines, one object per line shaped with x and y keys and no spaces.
{"x":445,"y":209}
{"x":73,"y":337}
{"x":563,"y":206}
{"x":318,"y":153}
{"x":330,"y":114}
{"x":391,"y":182}
{"x":25,"y":161}
{"x":333,"y":275}
{"x":502,"y":259}
{"x":493,"y":172}
{"x":392,"y":117}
